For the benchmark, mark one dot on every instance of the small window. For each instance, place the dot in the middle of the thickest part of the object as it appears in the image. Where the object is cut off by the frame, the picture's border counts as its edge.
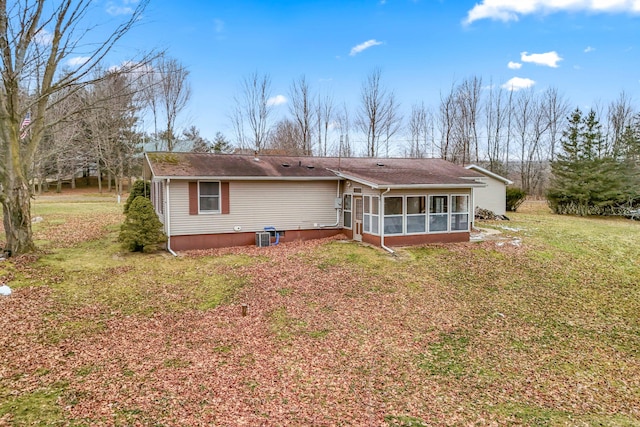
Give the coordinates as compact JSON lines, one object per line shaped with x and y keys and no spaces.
{"x":346,"y":211}
{"x":209,"y":197}
{"x":366,"y":222}
{"x":375,"y":217}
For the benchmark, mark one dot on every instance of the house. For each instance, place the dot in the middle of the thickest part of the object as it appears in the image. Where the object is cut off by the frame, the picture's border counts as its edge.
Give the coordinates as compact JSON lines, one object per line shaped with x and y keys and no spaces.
{"x":216,"y":200}
{"x":493,"y":196}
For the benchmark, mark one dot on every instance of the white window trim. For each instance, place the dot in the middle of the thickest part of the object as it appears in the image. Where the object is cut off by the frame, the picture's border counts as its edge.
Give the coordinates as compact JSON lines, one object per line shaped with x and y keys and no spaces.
{"x":210,"y":212}
{"x":451,"y":213}
{"x":347,"y":210}
{"x":425,"y":214}
{"x":402,"y":215}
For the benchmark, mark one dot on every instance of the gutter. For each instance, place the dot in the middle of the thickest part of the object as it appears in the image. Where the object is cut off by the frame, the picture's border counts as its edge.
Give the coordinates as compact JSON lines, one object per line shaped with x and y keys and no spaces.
{"x":381,"y":210}
{"x":168,"y":221}
{"x":337,"y":211}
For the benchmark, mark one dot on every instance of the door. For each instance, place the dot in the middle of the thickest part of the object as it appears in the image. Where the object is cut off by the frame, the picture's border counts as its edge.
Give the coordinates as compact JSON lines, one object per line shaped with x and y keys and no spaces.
{"x":357,"y":221}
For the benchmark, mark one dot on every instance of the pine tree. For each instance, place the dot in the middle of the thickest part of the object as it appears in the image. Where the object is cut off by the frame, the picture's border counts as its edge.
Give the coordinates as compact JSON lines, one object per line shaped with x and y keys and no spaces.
{"x":139,"y":188}
{"x":587,"y":178}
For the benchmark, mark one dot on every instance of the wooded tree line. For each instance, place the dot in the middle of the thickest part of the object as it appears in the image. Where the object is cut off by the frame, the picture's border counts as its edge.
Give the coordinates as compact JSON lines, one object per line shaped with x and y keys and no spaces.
{"x":512,"y":133}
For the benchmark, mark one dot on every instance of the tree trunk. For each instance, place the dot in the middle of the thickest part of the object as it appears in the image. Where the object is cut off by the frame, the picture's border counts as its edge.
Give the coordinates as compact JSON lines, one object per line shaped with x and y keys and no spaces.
{"x":16,"y":208}
{"x":99,"y":173}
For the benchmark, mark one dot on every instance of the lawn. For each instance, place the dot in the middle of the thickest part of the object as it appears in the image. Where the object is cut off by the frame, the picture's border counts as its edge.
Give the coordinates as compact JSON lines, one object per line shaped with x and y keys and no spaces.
{"x":539,"y":326}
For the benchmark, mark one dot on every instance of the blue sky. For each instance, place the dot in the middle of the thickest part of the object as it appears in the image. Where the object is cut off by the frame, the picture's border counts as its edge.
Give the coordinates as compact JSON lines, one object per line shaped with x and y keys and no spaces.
{"x":588,"y":49}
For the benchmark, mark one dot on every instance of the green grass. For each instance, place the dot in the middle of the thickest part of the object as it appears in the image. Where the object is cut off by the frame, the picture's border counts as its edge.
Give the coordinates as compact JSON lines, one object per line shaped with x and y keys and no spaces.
{"x":37,"y":408}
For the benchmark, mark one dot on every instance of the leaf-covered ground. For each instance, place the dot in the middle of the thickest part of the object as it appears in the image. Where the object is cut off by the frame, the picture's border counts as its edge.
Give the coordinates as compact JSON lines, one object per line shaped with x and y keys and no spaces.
{"x":539,"y":326}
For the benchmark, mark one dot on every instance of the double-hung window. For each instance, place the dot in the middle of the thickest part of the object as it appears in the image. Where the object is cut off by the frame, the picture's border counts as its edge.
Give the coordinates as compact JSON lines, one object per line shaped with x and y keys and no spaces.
{"x":393,"y":215}
{"x":438,"y":213}
{"x":375,"y":214}
{"x":346,"y":211}
{"x":209,"y":197}
{"x":416,"y":214}
{"x":460,"y":213}
{"x":366,"y":222}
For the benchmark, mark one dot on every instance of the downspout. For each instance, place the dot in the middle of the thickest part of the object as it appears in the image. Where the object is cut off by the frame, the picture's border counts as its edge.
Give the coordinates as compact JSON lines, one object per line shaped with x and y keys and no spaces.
{"x":381,"y":225}
{"x":167,"y":219}
{"x":337,"y":211}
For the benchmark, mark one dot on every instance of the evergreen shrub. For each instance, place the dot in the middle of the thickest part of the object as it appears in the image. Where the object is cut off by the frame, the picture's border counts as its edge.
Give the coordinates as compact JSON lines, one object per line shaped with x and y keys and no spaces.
{"x":515,"y":197}
{"x":141,"y":230}
{"x":139,"y":188}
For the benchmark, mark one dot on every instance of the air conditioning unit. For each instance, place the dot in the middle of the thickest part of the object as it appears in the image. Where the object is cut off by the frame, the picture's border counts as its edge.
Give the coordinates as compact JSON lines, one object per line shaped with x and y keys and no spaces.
{"x":263,"y":239}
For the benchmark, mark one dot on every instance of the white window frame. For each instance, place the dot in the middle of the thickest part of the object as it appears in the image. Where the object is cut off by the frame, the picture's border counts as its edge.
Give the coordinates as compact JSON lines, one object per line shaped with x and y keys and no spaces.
{"x":366,"y":214}
{"x":345,"y":210}
{"x":218,"y":197}
{"x":452,"y":213}
{"x":401,"y":216}
{"x":375,"y":217}
{"x":425,"y":214}
{"x":440,"y":214}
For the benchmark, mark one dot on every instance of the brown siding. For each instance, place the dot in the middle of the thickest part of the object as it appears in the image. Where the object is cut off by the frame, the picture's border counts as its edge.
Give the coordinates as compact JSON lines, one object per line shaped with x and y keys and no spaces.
{"x":193,"y":198}
{"x":208,"y":241}
{"x":421,"y":239}
{"x":224,"y":190}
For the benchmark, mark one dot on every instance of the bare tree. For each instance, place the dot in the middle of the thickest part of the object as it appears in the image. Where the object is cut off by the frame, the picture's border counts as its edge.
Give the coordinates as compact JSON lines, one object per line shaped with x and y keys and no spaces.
{"x":174,"y":92}
{"x":392,"y":122}
{"x":556,"y":109}
{"x":619,"y":117}
{"x":343,"y":120}
{"x":111,"y":121}
{"x":324,"y":116}
{"x":300,"y":107}
{"x":446,"y":123}
{"x":375,"y":110}
{"x":66,"y":148}
{"x":459,"y":112}
{"x":252,"y":111}
{"x":420,"y":126}
{"x":531,"y":125}
{"x":497,"y":115}
{"x":286,"y":138}
{"x":35,"y":38}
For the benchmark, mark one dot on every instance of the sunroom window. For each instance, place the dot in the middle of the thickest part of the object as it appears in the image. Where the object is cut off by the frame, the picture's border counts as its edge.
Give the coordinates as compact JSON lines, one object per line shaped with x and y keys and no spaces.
{"x":416,"y":214}
{"x":460,"y":213}
{"x":438,"y":213}
{"x":393,"y":215}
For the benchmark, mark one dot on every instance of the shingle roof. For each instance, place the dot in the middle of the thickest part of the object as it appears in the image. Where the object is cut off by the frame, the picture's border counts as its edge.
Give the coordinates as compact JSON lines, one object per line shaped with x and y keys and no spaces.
{"x":376,"y":172}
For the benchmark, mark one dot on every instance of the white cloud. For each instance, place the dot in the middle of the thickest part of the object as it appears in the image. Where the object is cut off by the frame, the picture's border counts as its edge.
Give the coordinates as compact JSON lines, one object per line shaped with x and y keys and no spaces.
{"x":514,"y":65}
{"x":511,"y":10}
{"x":550,"y":59}
{"x":277,"y":100}
{"x":362,"y":46}
{"x":518,"y":83}
{"x":589,"y":49}
{"x":43,"y":37}
{"x":121,"y":8}
{"x":78,"y":61}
